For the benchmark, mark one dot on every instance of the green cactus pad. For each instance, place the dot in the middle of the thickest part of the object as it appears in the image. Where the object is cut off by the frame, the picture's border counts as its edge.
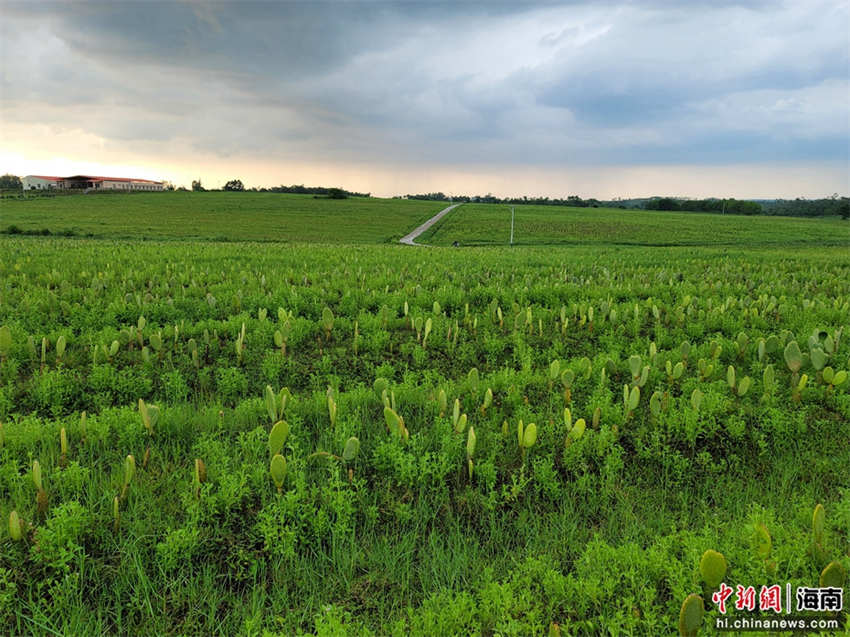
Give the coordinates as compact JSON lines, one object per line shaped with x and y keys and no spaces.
{"x":712,"y":567}
{"x":529,"y":436}
{"x":691,"y":616}
{"x":818,"y":522}
{"x":833,"y":576}
{"x":352,"y":448}
{"x":277,"y":468}
{"x":278,"y":436}
{"x":15,"y":526}
{"x":793,"y":356}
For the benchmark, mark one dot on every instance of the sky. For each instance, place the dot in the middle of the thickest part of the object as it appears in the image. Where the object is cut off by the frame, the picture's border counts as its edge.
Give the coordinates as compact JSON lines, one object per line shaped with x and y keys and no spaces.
{"x":597,"y":99}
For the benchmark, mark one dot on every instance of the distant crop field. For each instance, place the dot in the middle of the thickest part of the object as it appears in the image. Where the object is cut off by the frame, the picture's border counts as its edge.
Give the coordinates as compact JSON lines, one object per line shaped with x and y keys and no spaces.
{"x":231,"y":216}
{"x":490,"y":224}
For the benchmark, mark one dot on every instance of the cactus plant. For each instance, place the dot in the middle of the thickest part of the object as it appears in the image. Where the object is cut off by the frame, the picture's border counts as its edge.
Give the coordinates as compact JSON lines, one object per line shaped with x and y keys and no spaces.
{"x":428,"y":326}
{"x":61,"y":344}
{"x":712,"y":567}
{"x":567,"y":378}
{"x":761,"y":541}
{"x":696,"y":399}
{"x":442,"y":402}
{"x":271,"y":403}
{"x":691,"y":615}
{"x":277,"y":469}
{"x":332,"y":408}
{"x":832,"y":378}
{"x":769,"y":381}
{"x":41,"y":494}
{"x":635,"y":365}
{"x":575,"y":432}
{"x":488,"y":400}
{"x":16,"y":526}
{"x":793,"y":356}
{"x":655,"y":404}
{"x":277,"y":436}
{"x":832,"y":576}
{"x":630,"y":399}
{"x":460,"y":425}
{"x":200,"y":476}
{"x":818,"y":523}
{"x":352,"y":448}
{"x":554,"y":372}
{"x":395,"y":423}
{"x":526,"y":436}
{"x":129,"y":473}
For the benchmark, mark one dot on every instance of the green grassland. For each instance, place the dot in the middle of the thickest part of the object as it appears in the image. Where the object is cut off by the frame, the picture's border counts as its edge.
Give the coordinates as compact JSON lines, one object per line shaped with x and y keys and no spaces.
{"x":490,"y":224}
{"x":733,"y":427}
{"x":230,"y":216}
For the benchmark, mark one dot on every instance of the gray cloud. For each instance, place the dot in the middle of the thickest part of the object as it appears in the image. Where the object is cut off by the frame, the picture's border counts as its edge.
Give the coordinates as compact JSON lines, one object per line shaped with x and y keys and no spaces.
{"x":526,"y":83}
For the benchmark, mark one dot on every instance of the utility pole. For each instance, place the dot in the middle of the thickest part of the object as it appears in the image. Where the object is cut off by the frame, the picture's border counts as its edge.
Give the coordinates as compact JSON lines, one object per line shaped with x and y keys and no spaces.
{"x":512,"y":226}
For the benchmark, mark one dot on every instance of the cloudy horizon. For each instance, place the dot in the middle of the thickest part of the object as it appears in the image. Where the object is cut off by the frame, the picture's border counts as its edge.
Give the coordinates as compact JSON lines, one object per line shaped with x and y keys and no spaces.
{"x":597,"y":99}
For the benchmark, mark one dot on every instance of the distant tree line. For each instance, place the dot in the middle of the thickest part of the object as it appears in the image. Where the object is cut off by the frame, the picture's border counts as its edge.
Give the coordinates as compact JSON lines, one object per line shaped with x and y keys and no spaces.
{"x":10,"y":182}
{"x":830,"y":206}
{"x":301,"y":189}
{"x":725,"y":206}
{"x":834,"y":205}
{"x":572,"y":200}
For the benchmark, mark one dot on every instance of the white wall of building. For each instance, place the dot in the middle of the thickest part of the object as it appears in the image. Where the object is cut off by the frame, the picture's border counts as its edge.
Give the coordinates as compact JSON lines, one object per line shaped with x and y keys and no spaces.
{"x":31,"y":182}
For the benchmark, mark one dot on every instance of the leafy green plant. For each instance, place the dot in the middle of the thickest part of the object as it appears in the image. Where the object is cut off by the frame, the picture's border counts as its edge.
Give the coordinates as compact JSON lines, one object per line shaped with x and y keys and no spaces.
{"x":63,"y":447}
{"x":327,"y":322}
{"x":5,"y":342}
{"x":150,"y":416}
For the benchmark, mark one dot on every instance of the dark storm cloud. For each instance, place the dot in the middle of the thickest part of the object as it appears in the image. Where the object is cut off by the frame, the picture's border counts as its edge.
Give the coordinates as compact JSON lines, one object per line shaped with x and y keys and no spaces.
{"x":533,"y":83}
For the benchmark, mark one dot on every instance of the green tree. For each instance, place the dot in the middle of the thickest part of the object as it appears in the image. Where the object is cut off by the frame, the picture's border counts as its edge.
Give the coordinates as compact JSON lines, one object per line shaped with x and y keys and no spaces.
{"x":10,"y":182}
{"x":234,"y":185}
{"x":196,"y":185}
{"x":844,"y":208}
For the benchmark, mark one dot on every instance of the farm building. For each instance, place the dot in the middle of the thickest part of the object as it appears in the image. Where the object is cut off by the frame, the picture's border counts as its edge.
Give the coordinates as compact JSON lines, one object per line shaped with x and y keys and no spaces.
{"x":88,"y":182}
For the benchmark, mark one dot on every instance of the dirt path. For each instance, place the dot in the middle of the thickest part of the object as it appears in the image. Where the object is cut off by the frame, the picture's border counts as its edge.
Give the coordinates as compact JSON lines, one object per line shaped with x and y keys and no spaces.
{"x":409,"y":238}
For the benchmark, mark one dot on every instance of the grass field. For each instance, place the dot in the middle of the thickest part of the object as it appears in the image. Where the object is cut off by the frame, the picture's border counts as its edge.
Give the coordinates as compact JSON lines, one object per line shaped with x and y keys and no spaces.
{"x":544,"y":440}
{"x":490,"y":224}
{"x":231,"y":216}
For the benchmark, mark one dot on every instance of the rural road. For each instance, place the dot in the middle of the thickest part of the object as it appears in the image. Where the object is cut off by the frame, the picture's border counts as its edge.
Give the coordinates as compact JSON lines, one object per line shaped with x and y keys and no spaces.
{"x":409,"y":239}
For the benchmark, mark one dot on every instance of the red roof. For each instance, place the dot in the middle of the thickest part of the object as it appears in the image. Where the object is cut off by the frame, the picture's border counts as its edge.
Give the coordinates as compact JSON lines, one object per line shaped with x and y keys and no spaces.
{"x":96,"y":178}
{"x":46,"y":177}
